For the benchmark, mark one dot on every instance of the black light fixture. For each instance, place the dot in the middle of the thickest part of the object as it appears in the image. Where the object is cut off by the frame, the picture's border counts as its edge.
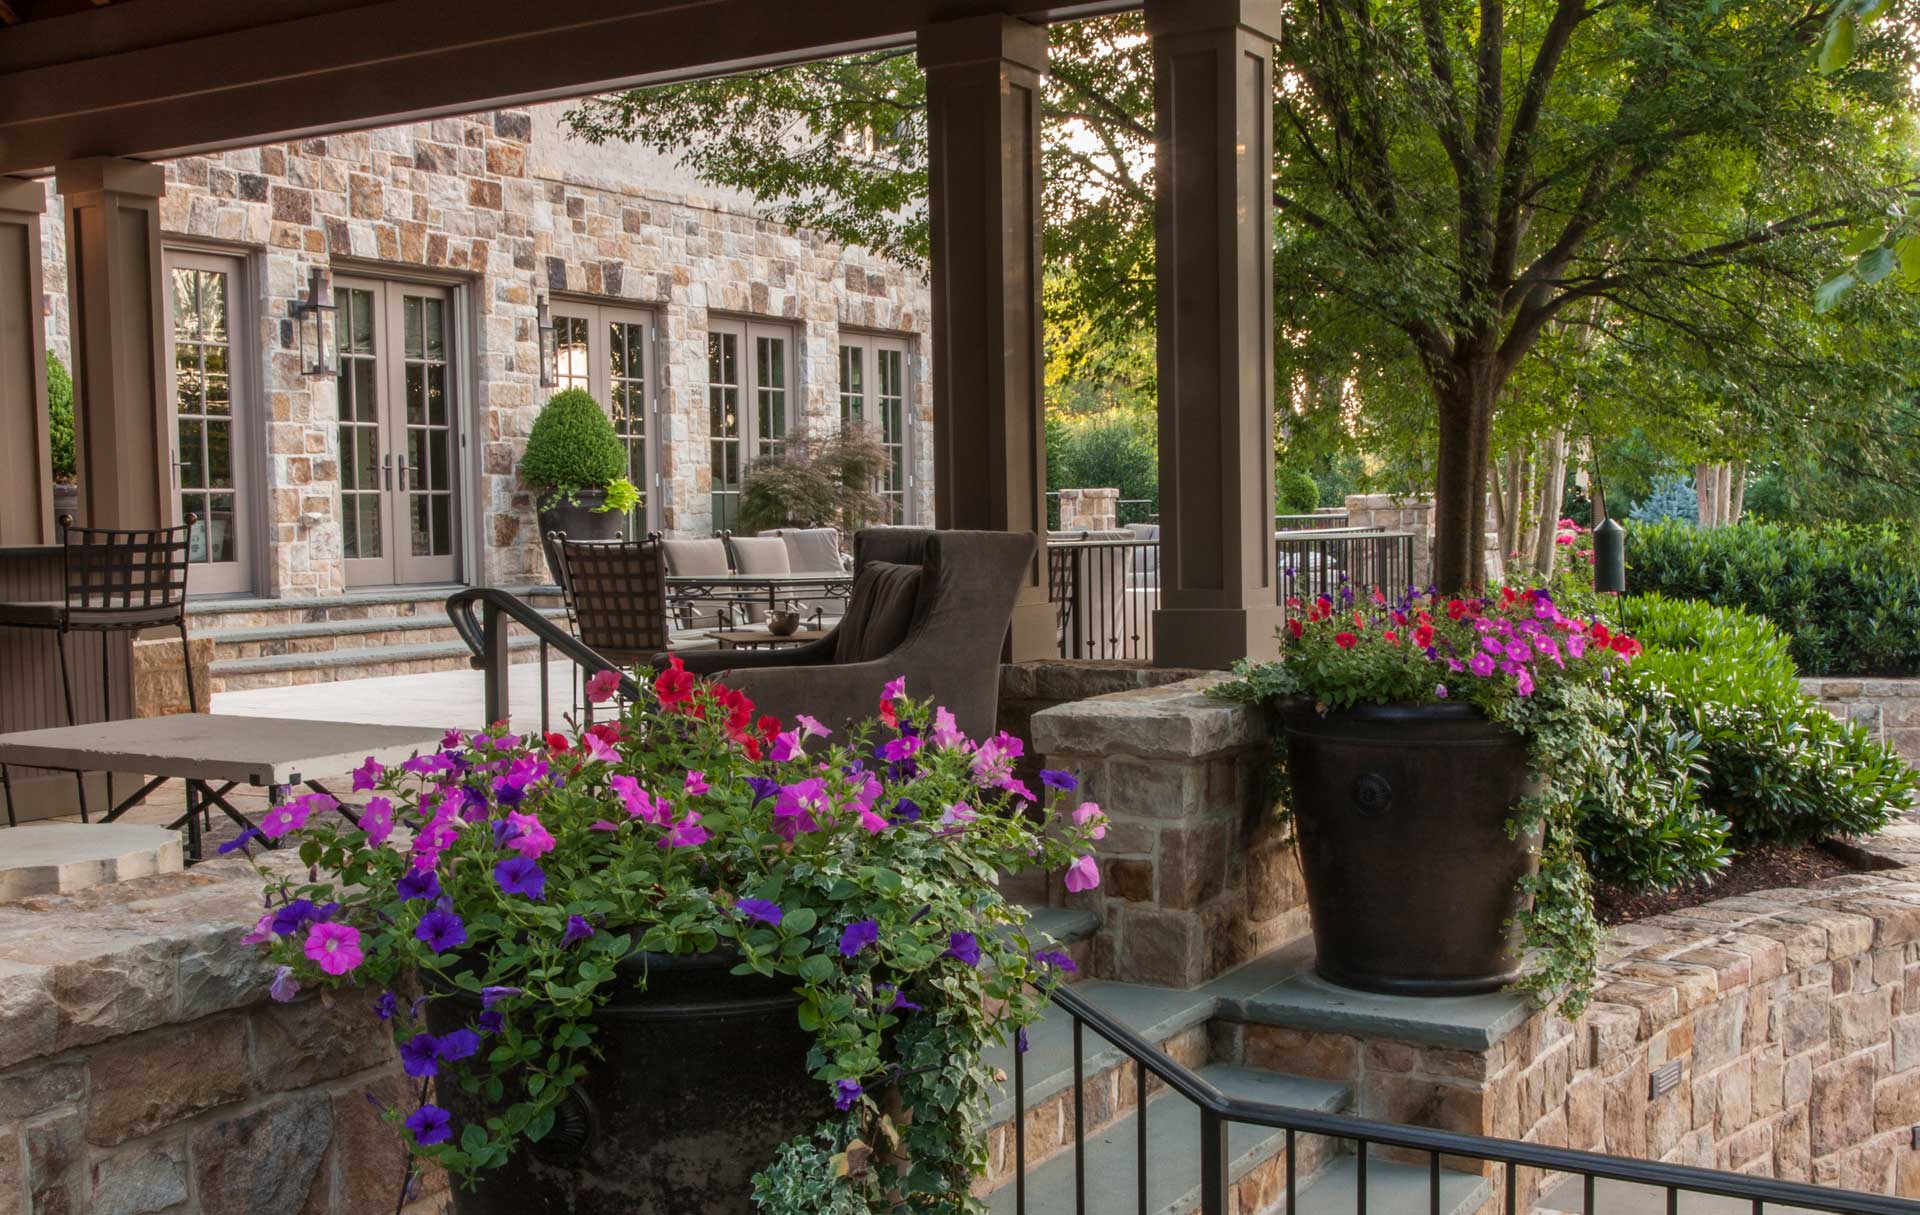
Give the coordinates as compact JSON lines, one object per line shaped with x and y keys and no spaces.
{"x":549,"y":345}
{"x":310,"y":314}
{"x":1610,"y":557}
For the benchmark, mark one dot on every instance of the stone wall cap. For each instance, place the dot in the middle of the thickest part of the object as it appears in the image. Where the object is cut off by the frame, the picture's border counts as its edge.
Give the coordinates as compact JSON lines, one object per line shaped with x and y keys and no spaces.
{"x":1177,"y":721}
{"x":59,"y":858}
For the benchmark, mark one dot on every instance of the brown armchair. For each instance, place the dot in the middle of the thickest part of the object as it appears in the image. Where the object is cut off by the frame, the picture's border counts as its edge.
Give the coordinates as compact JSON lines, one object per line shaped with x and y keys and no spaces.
{"x":932,"y":606}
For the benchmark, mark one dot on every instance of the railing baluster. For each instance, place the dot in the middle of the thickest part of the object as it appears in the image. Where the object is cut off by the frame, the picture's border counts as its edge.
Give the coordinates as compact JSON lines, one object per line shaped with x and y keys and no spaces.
{"x":1079,"y":1123}
{"x":1019,"y":1129}
{"x":1360,"y":1177}
{"x":1293,"y":1174}
{"x":1586,"y":1196}
{"x":1673,"y":1200}
{"x":1213,"y":1163}
{"x":1433,"y":1183}
{"x":1513,"y":1188}
{"x":1140,"y":1126}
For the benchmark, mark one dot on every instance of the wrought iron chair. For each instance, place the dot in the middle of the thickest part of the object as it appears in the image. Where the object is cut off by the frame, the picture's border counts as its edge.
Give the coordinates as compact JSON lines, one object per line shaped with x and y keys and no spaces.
{"x":616,"y":596}
{"x":116,"y":581}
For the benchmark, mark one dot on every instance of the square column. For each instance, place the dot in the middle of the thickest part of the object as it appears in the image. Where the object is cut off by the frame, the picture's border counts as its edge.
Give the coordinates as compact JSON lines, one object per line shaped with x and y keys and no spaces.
{"x":984,"y":209}
{"x":1213,"y":231}
{"x":122,"y":424}
{"x":26,"y":475}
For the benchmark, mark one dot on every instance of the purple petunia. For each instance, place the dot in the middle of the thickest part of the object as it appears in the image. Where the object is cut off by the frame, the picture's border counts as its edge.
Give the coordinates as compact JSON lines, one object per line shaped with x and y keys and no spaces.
{"x":386,"y":1006}
{"x":1054,"y":959}
{"x":906,"y":811}
{"x":963,"y":947}
{"x":491,"y":996}
{"x":1053,"y":778}
{"x":845,"y":1093}
{"x":240,"y":841}
{"x":294,"y":916}
{"x":418,"y":884}
{"x":420,"y":1056}
{"x":441,"y":930}
{"x":763,"y":788}
{"x":457,"y":1045}
{"x":492,"y":1021}
{"x":857,"y":936}
{"x":764,"y":911}
{"x":577,"y":930}
{"x":520,"y":875}
{"x":430,"y":1125}
{"x":1020,"y":1040}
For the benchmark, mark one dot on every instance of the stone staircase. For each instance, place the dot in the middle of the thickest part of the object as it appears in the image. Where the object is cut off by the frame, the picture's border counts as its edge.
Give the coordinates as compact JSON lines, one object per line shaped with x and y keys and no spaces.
{"x":1198,"y":1029}
{"x":265,"y":643}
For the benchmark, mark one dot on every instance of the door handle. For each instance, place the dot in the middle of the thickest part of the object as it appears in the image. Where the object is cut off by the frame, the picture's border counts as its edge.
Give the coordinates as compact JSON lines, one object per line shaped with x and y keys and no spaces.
{"x":386,"y":471}
{"x":400,"y":467}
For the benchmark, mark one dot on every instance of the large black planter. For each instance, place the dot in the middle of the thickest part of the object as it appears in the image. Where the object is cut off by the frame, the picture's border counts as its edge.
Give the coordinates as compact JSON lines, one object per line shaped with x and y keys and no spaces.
{"x":581,"y":521}
{"x":1402,"y":812}
{"x":703,"y":1076}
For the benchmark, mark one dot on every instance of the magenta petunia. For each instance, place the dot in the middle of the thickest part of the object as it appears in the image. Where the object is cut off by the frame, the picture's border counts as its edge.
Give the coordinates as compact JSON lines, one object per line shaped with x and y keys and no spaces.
{"x":530,"y":839}
{"x":639,"y":803}
{"x":377,"y":820}
{"x":697,"y":783}
{"x":686,"y":833}
{"x":334,"y":948}
{"x":367,"y":775}
{"x":1083,"y":874}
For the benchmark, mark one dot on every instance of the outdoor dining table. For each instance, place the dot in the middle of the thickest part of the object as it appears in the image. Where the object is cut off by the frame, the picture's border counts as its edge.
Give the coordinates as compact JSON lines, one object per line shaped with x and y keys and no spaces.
{"x":212,"y":755}
{"x":770,"y":590}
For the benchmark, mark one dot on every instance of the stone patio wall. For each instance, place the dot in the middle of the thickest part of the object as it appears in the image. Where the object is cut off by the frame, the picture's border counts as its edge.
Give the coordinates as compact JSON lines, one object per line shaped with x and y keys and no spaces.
{"x":1195,"y":875}
{"x":1888,"y":708}
{"x":143,"y":1069}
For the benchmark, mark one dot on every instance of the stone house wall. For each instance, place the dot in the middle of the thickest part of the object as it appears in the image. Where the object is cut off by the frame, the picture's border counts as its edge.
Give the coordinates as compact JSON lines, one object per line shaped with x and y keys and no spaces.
{"x":496,"y":202}
{"x":1888,"y":708}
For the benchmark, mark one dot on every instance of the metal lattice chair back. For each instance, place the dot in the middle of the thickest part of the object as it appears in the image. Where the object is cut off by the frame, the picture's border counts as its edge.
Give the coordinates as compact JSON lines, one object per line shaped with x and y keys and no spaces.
{"x":617,"y":593}
{"x":118,"y":577}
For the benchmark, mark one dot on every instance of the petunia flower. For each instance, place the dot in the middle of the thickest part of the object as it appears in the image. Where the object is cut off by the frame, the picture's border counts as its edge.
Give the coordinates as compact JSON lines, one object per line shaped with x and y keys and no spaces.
{"x":531,"y":838}
{"x":963,"y":947}
{"x":334,"y":948}
{"x":240,"y":841}
{"x":598,"y":751}
{"x":1090,"y":812}
{"x":377,"y":820}
{"x":386,"y":1006}
{"x":418,"y":885}
{"x":1440,"y":690}
{"x":492,"y":1021}
{"x":285,"y":817}
{"x":895,"y":689}
{"x":686,"y":833}
{"x":577,"y":930}
{"x":857,"y":936}
{"x":946,"y":729}
{"x":811,"y":726}
{"x":602,"y":685}
{"x":872,"y":822}
{"x":284,"y":986}
{"x":763,"y":911}
{"x":520,"y":875}
{"x":906,"y":810}
{"x":697,"y":783}
{"x":845,"y":1093}
{"x":492,"y":996}
{"x":1083,"y":874}
{"x":294,"y":916}
{"x":420,"y":1056}
{"x":1054,"y":959}
{"x":430,"y":1125}
{"x":957,"y":814}
{"x":367,"y":775}
{"x":639,"y":803}
{"x":456,"y":1045}
{"x":763,"y":788}
{"x":1054,"y":778}
{"x":442,"y":930}
{"x":262,"y":931}
{"x":785,"y":747}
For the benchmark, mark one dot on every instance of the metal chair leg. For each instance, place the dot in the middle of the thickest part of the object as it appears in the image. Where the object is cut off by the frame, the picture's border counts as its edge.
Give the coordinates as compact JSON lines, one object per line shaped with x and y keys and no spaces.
{"x":66,"y":688}
{"x":186,"y":667}
{"x":106,"y":703}
{"x":6,"y":782}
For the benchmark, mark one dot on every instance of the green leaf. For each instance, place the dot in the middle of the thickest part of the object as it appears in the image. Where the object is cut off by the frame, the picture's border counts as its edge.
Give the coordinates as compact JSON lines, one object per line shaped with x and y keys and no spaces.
{"x":801,"y":920}
{"x":1875,"y":264}
{"x":1830,"y":291}
{"x":540,"y":1124}
{"x":816,"y":969}
{"x":1907,"y":248}
{"x":1837,"y":48}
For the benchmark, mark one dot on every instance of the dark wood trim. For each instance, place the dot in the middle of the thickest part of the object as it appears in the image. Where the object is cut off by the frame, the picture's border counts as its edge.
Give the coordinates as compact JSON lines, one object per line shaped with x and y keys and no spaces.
{"x":149,"y":80}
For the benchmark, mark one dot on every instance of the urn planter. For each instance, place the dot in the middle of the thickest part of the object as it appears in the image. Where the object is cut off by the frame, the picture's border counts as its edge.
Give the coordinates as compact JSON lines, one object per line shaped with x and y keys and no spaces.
{"x":702,"y":1074}
{"x":580,"y":519}
{"x":1412,"y":874}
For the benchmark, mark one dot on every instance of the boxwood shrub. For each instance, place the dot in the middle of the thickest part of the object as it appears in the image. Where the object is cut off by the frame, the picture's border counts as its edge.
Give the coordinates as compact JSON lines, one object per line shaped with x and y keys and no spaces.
{"x":572,"y":447}
{"x":1847,"y":598}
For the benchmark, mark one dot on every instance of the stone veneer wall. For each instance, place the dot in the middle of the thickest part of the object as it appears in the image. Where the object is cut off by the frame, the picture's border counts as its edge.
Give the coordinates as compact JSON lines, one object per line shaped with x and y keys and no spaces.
{"x":490,"y":201}
{"x":142,"y":1068}
{"x":1888,"y":708}
{"x":1396,"y":515}
{"x":1196,"y":877}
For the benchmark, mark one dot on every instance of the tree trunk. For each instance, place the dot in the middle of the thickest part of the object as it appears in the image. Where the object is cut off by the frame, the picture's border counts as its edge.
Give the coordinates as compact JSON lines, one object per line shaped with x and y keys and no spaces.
{"x":1705,"y":482}
{"x":1464,"y":404}
{"x":1552,"y":490}
{"x":1737,"y":500}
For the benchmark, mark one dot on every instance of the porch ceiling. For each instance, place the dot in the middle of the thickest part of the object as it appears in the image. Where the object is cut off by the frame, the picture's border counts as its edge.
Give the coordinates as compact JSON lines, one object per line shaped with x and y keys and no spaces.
{"x":158,"y":78}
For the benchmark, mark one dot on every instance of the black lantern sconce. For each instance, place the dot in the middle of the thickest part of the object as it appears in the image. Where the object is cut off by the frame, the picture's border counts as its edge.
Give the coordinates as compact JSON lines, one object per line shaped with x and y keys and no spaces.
{"x":549,"y":346}
{"x":318,"y":356}
{"x":1610,"y":557}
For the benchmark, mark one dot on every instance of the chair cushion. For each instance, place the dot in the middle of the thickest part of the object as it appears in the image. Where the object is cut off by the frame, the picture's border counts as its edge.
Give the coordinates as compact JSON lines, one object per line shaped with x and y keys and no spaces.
{"x":697,"y":556}
{"x":879,"y":613}
{"x":761,"y":555}
{"x":813,"y":550}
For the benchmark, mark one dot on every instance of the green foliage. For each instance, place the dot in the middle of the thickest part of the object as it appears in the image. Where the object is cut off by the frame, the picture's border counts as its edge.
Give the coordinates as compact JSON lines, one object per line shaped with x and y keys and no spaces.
{"x":572,"y":447}
{"x":816,"y":481}
{"x":632,"y":855}
{"x":1779,"y":767}
{"x":1671,"y":498}
{"x":1295,"y":492}
{"x":1110,"y":450}
{"x":1847,"y":597}
{"x":623,"y":496}
{"x":60,"y":418}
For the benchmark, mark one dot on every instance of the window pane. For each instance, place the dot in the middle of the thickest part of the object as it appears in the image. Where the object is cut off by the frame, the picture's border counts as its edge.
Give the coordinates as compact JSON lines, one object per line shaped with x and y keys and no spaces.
{"x":213,"y":306}
{"x":192,"y":457}
{"x":186,"y":308}
{"x":410,"y":318}
{"x":442,"y":525}
{"x":220,"y":528}
{"x":416,"y":394}
{"x":852,"y":390}
{"x":436,"y":340}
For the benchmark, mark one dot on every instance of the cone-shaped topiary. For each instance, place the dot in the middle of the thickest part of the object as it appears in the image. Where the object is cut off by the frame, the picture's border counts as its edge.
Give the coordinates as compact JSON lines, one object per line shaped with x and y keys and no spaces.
{"x":60,"y":417}
{"x":573,"y":447}
{"x":1294,"y":492}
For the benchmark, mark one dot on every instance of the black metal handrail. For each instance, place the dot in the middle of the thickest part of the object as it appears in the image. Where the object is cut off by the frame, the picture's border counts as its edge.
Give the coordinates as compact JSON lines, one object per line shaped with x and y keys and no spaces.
{"x":487,"y":638}
{"x":1218,"y":1112}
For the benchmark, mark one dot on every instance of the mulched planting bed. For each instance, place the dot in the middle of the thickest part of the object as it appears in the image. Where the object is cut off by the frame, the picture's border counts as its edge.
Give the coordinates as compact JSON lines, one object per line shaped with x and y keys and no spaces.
{"x":1766,"y":867}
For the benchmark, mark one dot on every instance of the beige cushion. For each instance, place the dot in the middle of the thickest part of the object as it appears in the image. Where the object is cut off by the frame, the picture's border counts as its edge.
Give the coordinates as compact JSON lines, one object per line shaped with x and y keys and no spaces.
{"x":759,"y":555}
{"x":880,"y":612}
{"x":700,"y":557}
{"x":813,"y":550}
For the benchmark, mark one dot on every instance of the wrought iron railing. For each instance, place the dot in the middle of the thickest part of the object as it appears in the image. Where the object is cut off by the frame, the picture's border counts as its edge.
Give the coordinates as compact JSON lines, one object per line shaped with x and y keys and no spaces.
{"x":481,"y":616}
{"x":1324,"y":561}
{"x":1311,"y":522}
{"x":1218,"y":1112}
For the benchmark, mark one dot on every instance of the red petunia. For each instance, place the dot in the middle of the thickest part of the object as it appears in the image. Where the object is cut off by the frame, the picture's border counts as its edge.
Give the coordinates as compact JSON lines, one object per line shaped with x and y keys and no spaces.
{"x":1296,"y":628}
{"x":1455,"y":609}
{"x":673,"y":686}
{"x":1345,"y":641}
{"x":1423,"y":636}
{"x":1601,"y":635}
{"x":1392,"y":636}
{"x":557,"y":743}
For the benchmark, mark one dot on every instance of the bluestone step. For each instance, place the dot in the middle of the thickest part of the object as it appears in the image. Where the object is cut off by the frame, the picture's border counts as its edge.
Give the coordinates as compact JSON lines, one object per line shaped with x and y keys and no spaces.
{"x":1173,"y":1152}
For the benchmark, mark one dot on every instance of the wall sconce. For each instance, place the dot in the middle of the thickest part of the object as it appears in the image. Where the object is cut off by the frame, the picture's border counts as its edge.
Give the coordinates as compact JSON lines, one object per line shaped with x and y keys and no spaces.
{"x":317,"y":356}
{"x":549,"y":346}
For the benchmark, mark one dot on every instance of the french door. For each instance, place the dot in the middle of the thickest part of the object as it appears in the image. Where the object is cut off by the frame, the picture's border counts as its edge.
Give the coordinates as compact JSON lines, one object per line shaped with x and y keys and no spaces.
{"x":399,"y":491}
{"x":873,"y":393}
{"x":609,"y":351}
{"x":749,"y":369}
{"x":212,"y":426}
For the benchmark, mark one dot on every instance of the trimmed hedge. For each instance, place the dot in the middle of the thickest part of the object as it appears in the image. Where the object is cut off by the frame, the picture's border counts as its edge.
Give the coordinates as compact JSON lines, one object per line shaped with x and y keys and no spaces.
{"x":1848,"y":598}
{"x":572,"y":447}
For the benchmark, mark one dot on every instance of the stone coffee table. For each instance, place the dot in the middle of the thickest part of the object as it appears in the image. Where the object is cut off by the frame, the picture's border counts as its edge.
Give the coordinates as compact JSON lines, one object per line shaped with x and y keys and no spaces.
{"x":212,"y":755}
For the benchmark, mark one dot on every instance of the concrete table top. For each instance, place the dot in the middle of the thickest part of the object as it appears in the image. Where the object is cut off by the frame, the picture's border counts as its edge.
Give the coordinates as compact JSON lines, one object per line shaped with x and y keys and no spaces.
{"x":200,"y":746}
{"x":59,"y":858}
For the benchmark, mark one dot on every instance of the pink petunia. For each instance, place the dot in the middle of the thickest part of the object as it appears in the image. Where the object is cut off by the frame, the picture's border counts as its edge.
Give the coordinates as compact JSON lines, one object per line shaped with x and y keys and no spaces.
{"x":377,"y":820}
{"x":598,"y":750}
{"x":262,"y":931}
{"x":697,"y":783}
{"x":786,"y":746}
{"x":896,"y":688}
{"x":531,"y":838}
{"x":872,"y":822}
{"x":1091,"y":812}
{"x":639,"y":803}
{"x":1083,"y":875}
{"x":811,"y":726}
{"x":602,"y":686}
{"x":334,"y":948}
{"x":687,"y":833}
{"x":946,"y":730}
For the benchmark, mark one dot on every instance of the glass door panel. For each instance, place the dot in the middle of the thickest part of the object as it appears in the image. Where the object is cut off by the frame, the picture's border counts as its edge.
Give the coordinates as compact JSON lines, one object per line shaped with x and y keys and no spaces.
{"x":723,"y":425}
{"x":365,"y":464}
{"x":627,"y":343}
{"x":423,"y":476}
{"x":891,"y":396}
{"x":209,"y":437}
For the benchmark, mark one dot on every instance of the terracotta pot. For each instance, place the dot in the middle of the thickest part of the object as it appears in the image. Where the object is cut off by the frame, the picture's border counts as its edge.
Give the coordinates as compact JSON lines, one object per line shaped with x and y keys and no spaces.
{"x":703,"y":1075}
{"x":579,"y":520}
{"x":1412,"y":877}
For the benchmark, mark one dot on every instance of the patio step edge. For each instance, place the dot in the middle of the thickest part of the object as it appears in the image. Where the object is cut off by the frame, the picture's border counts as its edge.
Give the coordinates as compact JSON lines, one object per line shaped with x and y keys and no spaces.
{"x":343,"y":628}
{"x":385,"y":655}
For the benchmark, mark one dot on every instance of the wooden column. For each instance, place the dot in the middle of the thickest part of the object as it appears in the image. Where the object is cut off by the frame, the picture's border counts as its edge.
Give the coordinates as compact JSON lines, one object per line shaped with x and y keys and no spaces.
{"x":123,"y":427}
{"x":989,"y":433}
{"x":26,"y":474}
{"x":1213,"y":228}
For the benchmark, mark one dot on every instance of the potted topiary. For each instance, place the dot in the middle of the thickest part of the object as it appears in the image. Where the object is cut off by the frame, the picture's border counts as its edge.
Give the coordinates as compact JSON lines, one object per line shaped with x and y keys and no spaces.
{"x":66,"y":487}
{"x":577,"y":465}
{"x":1436,"y":752}
{"x":690,"y":959}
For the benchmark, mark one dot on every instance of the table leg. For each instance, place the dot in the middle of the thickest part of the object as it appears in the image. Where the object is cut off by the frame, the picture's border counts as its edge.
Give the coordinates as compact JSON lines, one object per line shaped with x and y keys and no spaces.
{"x":195,"y":847}
{"x":218,"y":797}
{"x":135,"y":798}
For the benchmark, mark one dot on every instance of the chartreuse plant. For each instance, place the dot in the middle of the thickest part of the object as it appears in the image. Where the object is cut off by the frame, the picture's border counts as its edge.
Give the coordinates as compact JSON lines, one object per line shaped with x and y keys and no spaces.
{"x":573,"y":447}
{"x":520,"y":871}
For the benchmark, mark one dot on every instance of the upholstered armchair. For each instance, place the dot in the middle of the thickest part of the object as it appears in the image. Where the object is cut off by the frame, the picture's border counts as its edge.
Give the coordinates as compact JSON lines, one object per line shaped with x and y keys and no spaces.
{"x":932,"y":606}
